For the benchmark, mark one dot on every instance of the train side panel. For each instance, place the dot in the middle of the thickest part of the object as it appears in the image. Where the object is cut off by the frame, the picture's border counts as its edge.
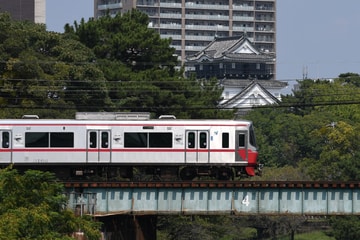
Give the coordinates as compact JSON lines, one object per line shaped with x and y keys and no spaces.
{"x":48,"y":145}
{"x":131,"y":143}
{"x":157,"y":145}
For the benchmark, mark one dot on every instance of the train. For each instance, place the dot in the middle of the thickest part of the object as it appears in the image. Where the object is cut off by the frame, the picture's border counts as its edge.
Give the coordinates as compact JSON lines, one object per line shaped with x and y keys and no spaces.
{"x":96,"y":146}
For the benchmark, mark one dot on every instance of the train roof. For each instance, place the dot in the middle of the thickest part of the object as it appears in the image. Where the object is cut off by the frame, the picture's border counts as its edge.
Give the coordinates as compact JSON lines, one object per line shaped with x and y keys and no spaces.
{"x":162,"y":122}
{"x":121,"y":118}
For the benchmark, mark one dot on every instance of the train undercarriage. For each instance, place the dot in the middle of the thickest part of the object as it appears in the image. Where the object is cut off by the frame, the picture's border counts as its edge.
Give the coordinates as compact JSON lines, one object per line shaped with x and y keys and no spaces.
{"x":140,"y":173}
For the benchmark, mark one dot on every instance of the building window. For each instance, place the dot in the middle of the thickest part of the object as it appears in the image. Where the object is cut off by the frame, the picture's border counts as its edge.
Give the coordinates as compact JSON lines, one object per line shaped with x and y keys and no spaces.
{"x":233,"y":65}
{"x":221,"y":65}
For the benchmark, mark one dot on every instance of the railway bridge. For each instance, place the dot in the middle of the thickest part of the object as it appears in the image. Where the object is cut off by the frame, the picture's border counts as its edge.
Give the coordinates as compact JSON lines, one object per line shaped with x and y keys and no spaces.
{"x":209,"y":197}
{"x":143,"y":201}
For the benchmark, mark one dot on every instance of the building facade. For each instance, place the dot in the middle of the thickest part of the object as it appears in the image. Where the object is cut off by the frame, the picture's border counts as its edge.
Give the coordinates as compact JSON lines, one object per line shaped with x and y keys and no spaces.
{"x":245,"y":73}
{"x":30,"y":10}
{"x":193,"y":24}
{"x":231,"y":58}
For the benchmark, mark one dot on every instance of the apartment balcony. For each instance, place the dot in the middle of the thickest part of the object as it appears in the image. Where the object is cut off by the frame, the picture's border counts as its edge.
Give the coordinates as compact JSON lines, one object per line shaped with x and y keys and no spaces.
{"x":243,"y":18}
{"x":168,"y":26}
{"x":207,"y":17}
{"x":243,"y":29}
{"x":191,"y":5}
{"x":265,"y":9}
{"x":243,"y":8}
{"x":206,"y":27}
{"x":170,"y":15}
{"x":177,"y":47}
{"x":172,"y":36}
{"x":194,"y":48}
{"x":265,"y":29}
{"x":199,"y":38}
{"x":109,"y":6}
{"x":265,"y":19}
{"x":268,"y":39}
{"x":170,"y":5}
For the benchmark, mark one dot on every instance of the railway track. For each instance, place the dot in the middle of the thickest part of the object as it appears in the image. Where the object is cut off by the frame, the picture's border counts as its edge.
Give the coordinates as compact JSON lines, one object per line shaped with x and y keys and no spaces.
{"x":215,"y":184}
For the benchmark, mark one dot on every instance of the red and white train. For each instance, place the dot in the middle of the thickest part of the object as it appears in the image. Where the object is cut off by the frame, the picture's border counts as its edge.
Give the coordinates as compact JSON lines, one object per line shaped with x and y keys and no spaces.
{"x":110,"y":148}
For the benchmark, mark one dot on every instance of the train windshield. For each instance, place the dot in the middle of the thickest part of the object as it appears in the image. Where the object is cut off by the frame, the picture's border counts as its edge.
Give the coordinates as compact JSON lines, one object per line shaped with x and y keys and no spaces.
{"x":252,"y":136}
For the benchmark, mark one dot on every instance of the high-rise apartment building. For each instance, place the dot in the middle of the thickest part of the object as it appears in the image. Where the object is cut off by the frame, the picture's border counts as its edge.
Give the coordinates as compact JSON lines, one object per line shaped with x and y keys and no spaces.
{"x":193,"y":24}
{"x":31,"y":10}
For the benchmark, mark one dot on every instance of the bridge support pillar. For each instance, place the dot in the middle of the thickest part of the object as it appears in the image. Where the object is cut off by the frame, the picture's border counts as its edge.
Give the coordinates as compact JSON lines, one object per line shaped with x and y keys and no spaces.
{"x":126,"y":227}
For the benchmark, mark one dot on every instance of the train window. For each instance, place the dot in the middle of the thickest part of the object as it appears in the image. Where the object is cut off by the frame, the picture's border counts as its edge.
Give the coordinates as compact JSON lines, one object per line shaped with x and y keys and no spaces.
{"x":203,"y":140}
{"x":191,"y":140}
{"x":5,"y":139}
{"x":241,"y":140}
{"x":104,"y":139}
{"x":61,"y":139}
{"x":252,"y":136}
{"x":135,"y":140}
{"x":36,"y":139}
{"x":161,"y":140}
{"x":93,"y":140}
{"x":225,"y":140}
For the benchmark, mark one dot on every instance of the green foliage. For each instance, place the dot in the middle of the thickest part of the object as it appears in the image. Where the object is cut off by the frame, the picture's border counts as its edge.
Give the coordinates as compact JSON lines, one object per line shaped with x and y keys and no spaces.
{"x":44,"y":72}
{"x":139,"y":68}
{"x":346,"y":227}
{"x":32,"y":207}
{"x":203,"y":227}
{"x":315,"y":129}
{"x":107,"y":64}
{"x":125,"y":38}
{"x":285,"y":173}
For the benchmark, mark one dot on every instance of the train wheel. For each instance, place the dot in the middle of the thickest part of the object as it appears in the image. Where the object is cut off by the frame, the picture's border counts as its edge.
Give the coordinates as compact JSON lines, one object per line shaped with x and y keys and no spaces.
{"x":126,"y":172}
{"x":188,"y":173}
{"x":225,"y":173}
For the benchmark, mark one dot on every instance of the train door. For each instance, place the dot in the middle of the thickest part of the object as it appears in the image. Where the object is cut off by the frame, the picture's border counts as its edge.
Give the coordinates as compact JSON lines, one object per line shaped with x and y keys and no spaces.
{"x":98,"y":146}
{"x":5,"y":147}
{"x":241,"y":153}
{"x":197,"y":146}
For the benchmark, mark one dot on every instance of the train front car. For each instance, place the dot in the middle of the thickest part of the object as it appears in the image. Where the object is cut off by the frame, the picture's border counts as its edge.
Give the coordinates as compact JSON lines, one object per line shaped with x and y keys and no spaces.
{"x":219,"y":149}
{"x":246,"y":148}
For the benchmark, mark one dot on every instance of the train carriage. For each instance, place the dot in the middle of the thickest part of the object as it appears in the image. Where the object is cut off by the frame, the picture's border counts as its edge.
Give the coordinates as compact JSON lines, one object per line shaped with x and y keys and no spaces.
{"x":111,"y":148}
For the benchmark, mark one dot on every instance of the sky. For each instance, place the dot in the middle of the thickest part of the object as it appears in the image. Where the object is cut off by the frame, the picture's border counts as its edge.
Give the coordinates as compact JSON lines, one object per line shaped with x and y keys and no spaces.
{"x":315,"y":38}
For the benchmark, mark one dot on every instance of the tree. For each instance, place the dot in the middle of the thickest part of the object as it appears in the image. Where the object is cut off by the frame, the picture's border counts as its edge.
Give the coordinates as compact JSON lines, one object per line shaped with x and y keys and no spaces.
{"x":314,"y":129}
{"x":340,"y":147}
{"x":32,"y":207}
{"x":346,"y":227}
{"x":46,"y":73}
{"x":125,"y":38}
{"x":140,"y":69}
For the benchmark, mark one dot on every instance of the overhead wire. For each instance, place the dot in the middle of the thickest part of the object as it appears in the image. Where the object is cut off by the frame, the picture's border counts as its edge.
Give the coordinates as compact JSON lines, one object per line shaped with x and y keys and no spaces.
{"x":69,"y":87}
